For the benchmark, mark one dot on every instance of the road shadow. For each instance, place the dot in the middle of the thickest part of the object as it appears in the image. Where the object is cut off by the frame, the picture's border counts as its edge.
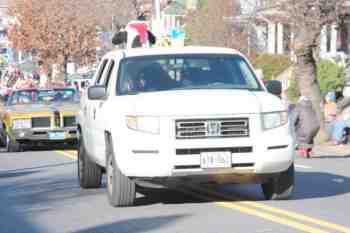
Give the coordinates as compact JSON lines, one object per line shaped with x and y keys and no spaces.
{"x":308,"y":185}
{"x":51,"y":147}
{"x":165,"y":196}
{"x":137,"y":225}
{"x":12,"y":217}
{"x":13,"y":174}
{"x":38,"y":167}
{"x":12,"y":221}
{"x":50,"y":191}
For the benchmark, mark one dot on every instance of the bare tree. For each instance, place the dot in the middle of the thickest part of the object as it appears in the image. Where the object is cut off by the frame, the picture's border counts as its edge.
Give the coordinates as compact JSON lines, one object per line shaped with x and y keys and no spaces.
{"x":58,"y":31}
{"x":113,"y":13}
{"x":212,"y":25}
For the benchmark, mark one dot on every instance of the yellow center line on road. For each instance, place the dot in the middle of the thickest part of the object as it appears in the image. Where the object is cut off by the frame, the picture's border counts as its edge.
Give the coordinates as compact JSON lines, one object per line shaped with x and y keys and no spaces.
{"x":69,"y":154}
{"x":298,"y":216}
{"x":302,"y":166}
{"x":253,"y":212}
{"x":240,"y":201}
{"x":270,"y":217}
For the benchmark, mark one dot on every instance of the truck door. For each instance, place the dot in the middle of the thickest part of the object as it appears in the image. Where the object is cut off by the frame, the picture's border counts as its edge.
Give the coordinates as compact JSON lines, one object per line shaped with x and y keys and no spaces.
{"x":98,"y":126}
{"x":88,"y":109}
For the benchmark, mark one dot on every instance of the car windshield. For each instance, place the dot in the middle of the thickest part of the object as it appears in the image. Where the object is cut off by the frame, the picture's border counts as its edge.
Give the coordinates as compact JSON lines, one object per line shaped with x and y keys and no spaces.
{"x":186,"y":72}
{"x":43,"y":96}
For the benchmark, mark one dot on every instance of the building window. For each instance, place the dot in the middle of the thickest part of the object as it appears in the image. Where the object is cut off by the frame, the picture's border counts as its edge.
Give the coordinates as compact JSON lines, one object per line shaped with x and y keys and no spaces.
{"x":343,"y":38}
{"x":329,"y":37}
{"x":287,"y":37}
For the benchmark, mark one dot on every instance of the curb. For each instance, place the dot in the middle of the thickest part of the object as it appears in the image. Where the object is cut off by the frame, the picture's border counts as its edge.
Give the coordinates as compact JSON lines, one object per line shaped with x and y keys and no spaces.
{"x":331,"y":151}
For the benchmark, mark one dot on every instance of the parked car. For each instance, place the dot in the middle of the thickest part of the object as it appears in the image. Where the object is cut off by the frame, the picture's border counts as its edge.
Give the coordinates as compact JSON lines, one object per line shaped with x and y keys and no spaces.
{"x":83,"y":80}
{"x":175,"y":115}
{"x":39,"y":116}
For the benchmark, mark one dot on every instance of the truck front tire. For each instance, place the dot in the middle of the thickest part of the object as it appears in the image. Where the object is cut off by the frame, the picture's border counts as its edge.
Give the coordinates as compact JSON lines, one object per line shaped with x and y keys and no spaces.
{"x":89,"y":173}
{"x":11,"y":145}
{"x":280,"y":187}
{"x":120,"y":189}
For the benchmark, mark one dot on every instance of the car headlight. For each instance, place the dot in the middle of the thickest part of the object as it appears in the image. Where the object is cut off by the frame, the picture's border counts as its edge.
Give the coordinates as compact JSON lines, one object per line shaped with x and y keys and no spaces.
{"x":273,"y":120}
{"x":143,"y":124}
{"x":22,"y":124}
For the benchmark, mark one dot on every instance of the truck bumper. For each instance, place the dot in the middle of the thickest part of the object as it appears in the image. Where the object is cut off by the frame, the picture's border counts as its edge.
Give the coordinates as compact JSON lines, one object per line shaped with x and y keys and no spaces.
{"x":31,"y":136}
{"x":250,"y":163}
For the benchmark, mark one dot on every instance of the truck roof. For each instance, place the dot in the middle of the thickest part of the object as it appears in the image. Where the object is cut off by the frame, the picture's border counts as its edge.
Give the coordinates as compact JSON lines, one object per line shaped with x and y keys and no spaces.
{"x":172,"y":51}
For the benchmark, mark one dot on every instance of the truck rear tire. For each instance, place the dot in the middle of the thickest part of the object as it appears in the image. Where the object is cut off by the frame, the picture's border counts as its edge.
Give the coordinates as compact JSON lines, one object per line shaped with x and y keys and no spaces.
{"x":281,"y":187}
{"x":89,"y":173}
{"x":120,"y":189}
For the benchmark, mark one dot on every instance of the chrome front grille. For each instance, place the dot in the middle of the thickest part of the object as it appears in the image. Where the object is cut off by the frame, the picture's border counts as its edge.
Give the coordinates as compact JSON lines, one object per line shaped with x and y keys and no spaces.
{"x":41,"y":122}
{"x":212,"y":128}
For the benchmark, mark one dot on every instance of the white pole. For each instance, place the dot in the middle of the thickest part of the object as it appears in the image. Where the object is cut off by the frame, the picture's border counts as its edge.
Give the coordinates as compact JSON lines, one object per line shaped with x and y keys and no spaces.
{"x":271,"y":38}
{"x":280,"y":38}
{"x":334,"y":34}
{"x":157,"y":9}
{"x":157,"y":19}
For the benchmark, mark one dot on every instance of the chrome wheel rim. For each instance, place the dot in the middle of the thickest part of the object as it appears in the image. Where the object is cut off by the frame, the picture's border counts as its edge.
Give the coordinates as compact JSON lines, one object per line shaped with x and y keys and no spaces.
{"x":110,"y":175}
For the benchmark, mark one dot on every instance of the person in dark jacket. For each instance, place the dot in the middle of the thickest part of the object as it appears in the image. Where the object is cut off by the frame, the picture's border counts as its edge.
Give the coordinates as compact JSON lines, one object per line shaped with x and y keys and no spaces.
{"x":306,"y":125}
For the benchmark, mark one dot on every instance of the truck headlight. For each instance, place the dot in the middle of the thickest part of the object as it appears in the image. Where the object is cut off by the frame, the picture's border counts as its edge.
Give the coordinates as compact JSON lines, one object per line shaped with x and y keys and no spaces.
{"x":273,"y":120}
{"x":22,"y":124}
{"x":143,"y":124}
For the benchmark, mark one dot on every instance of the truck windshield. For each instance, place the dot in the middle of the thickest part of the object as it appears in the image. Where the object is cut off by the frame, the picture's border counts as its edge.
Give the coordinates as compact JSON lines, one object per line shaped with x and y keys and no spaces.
{"x":42,"y":96}
{"x":185,"y":72}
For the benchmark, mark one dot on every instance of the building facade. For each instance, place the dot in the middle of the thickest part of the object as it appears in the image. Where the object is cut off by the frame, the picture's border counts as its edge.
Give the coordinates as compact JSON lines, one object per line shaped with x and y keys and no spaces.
{"x":274,"y":34}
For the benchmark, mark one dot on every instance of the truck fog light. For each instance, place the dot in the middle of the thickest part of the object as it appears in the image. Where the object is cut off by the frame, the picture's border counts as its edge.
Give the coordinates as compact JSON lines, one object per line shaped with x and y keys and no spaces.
{"x":22,"y":134}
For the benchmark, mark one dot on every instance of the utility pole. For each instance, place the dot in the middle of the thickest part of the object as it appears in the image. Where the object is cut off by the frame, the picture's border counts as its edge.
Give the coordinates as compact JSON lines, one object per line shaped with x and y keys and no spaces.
{"x":156,"y":4}
{"x":156,"y":24}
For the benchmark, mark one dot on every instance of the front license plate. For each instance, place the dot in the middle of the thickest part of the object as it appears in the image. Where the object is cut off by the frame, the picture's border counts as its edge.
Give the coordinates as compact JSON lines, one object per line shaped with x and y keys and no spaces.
{"x":57,"y":136}
{"x":216,"y":160}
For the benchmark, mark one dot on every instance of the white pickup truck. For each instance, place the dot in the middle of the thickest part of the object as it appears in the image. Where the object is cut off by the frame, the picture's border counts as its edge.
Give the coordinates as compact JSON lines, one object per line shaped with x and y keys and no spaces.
{"x":192,"y":114}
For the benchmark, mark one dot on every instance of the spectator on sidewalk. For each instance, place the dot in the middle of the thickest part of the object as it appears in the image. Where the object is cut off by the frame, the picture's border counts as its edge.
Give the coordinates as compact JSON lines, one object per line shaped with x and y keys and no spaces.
{"x":306,"y":125}
{"x":330,"y":112}
{"x":83,"y":88}
{"x":76,"y":86}
{"x":341,"y":130}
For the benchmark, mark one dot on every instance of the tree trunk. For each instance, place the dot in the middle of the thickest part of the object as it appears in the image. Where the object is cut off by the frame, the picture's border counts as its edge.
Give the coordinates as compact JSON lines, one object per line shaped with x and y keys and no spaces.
{"x":65,"y":68}
{"x":306,"y":76}
{"x":61,"y":76}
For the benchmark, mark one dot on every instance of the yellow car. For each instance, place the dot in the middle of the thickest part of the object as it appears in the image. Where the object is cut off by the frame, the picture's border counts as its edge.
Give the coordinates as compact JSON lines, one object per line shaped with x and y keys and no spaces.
{"x":34,"y":117}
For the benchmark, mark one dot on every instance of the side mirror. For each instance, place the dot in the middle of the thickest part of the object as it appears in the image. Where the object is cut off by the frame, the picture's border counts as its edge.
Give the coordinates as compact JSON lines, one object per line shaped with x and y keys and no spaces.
{"x":274,"y":87}
{"x":96,"y":92}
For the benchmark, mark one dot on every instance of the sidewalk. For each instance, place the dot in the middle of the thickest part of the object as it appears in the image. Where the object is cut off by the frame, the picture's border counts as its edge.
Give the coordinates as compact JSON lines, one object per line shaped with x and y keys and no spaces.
{"x":328,"y":150}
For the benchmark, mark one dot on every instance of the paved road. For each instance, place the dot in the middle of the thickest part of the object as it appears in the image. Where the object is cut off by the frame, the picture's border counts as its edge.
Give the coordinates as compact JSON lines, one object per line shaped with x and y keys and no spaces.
{"x":39,"y":194}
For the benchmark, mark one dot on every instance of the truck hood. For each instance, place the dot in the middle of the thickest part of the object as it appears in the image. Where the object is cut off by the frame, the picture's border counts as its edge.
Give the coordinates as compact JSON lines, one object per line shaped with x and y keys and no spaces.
{"x":43,"y":108}
{"x":202,"y":102}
